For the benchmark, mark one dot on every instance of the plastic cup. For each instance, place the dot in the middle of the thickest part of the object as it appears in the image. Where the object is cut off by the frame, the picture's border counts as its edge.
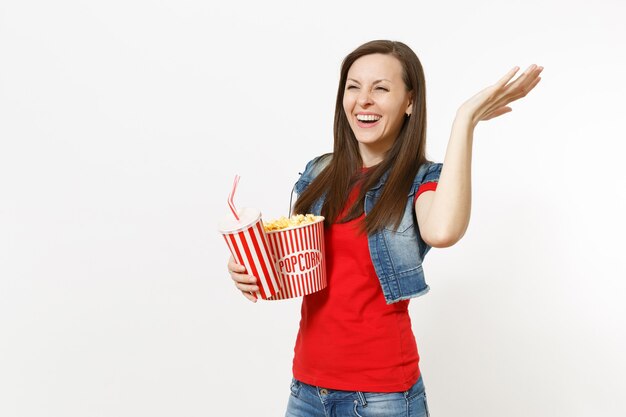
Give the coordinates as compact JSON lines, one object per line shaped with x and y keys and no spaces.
{"x":248,"y":243}
{"x":300,"y":261}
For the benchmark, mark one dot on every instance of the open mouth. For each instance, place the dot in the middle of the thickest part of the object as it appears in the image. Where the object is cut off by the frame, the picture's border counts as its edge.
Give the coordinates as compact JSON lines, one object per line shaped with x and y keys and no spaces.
{"x":367,"y":120}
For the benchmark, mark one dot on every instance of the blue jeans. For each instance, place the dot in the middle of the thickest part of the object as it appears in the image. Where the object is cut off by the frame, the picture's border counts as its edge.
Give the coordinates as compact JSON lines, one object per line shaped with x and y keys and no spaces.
{"x":310,"y":401}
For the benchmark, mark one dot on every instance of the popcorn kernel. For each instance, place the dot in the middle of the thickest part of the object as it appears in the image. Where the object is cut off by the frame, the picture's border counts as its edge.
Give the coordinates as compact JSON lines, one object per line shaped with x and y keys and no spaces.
{"x":295,"y":220}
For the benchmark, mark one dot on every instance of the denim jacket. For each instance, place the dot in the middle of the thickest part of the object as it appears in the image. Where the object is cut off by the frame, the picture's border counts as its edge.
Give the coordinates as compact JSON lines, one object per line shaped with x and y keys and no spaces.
{"x":397,"y":255}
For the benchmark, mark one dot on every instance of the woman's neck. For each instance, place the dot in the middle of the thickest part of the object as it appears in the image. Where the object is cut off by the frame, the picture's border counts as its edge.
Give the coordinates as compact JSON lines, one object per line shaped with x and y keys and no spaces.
{"x":372,"y":154}
{"x":370,"y":157}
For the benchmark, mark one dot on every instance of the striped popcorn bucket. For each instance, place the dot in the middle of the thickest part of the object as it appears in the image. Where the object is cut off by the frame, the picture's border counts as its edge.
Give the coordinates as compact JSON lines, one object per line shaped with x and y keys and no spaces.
{"x":247,"y":241}
{"x":299,"y":256}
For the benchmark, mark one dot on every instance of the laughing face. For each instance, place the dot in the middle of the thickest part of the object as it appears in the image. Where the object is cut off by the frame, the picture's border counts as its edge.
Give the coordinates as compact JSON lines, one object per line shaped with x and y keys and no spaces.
{"x":376,"y":102}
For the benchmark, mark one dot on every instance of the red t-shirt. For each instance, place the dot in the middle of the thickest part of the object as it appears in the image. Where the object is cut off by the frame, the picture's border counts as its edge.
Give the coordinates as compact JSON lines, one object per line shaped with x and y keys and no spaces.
{"x":350,"y":338}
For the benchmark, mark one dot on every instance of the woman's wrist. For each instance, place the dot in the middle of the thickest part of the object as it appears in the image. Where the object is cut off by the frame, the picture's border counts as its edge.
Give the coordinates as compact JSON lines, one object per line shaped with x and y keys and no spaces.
{"x":463,"y":117}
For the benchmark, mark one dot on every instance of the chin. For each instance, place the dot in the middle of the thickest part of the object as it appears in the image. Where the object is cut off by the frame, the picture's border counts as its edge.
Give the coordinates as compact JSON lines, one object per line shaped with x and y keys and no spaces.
{"x":367,"y":141}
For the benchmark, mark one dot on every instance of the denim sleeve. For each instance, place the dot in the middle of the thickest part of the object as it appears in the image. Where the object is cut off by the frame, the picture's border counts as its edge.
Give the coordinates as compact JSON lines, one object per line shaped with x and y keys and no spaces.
{"x":305,"y":177}
{"x":308,"y":166}
{"x":433,"y":172}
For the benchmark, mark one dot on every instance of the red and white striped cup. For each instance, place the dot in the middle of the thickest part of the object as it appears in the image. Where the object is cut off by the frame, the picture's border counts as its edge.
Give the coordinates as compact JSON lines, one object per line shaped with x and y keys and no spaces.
{"x":299,"y":255}
{"x":247,"y":241}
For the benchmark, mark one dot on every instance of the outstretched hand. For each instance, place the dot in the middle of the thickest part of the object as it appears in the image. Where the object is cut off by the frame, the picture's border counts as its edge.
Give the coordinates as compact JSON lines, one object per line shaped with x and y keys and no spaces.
{"x":493,"y":101}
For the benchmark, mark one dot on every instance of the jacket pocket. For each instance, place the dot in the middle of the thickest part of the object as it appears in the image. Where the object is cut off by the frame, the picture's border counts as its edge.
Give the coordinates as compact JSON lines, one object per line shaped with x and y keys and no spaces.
{"x":406,"y":224}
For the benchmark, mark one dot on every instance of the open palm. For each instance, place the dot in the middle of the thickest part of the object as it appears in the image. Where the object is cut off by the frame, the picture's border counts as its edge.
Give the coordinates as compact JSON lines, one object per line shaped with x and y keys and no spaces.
{"x":493,"y":101}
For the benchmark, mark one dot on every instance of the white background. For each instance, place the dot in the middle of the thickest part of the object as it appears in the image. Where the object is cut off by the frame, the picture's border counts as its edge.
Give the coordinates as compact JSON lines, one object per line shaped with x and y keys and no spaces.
{"x":122,"y":124}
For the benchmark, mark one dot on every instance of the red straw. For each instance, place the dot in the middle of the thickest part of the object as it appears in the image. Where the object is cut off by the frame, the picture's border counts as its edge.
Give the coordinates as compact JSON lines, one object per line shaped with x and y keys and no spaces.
{"x":230,"y":198}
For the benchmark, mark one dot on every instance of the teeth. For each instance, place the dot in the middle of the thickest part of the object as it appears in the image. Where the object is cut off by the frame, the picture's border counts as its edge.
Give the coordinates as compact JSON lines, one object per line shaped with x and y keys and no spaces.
{"x":368,"y":117}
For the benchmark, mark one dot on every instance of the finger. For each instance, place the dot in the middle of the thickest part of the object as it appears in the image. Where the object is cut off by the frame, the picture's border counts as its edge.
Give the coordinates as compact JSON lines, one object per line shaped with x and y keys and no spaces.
{"x":496,"y":113}
{"x":249,"y":296}
{"x":234,"y":266}
{"x":246,"y":287}
{"x":534,"y":83}
{"x":523,"y":78}
{"x":520,"y":87}
{"x":527,"y":88}
{"x":520,"y":91}
{"x":507,"y":77}
{"x":243,"y":278}
{"x":523,"y":84}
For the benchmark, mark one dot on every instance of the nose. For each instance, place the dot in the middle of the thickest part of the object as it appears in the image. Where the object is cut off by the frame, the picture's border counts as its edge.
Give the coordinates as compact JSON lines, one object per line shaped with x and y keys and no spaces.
{"x":364,"y":98}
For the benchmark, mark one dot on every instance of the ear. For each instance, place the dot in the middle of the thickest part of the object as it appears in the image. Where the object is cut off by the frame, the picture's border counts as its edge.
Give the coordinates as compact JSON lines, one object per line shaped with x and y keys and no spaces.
{"x":409,"y":107}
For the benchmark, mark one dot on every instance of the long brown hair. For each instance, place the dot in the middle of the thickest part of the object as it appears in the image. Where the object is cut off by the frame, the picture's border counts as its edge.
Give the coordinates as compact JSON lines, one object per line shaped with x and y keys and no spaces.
{"x":402,"y":160}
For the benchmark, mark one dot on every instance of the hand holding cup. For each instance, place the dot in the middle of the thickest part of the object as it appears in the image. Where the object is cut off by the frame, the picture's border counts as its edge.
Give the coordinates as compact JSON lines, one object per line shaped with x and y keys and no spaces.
{"x":244,"y":282}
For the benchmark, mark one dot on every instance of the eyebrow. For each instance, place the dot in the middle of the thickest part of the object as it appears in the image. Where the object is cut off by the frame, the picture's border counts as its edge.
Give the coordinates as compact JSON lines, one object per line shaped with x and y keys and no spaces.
{"x":375,"y":82}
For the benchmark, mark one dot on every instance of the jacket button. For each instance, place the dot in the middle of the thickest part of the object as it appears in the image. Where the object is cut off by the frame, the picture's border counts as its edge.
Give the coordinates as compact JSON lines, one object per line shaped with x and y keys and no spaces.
{"x":324,"y":391}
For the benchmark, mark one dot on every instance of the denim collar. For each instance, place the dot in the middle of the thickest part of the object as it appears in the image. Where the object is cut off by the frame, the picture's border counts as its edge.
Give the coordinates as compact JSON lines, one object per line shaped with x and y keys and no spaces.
{"x":322,"y":162}
{"x":381,"y":182}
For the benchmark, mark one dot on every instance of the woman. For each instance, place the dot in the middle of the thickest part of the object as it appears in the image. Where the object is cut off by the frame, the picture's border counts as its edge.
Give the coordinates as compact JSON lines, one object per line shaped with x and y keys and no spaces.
{"x":385,"y":206}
